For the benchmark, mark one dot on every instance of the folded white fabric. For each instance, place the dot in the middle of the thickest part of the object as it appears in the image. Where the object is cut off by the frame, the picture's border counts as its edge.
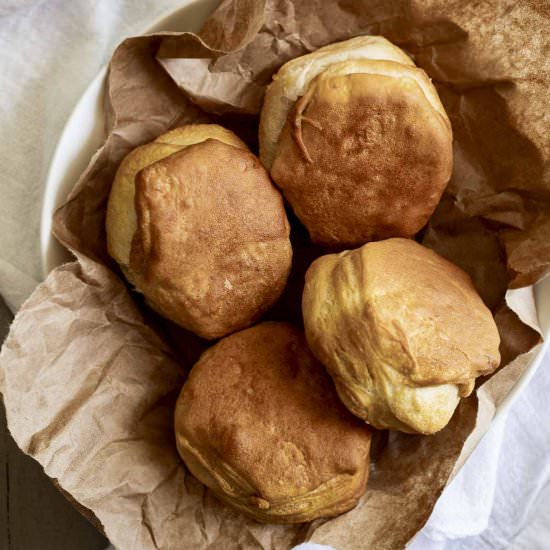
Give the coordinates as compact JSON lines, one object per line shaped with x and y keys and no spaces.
{"x":501,"y":498}
{"x":49,"y":52}
{"x":464,"y":508}
{"x":15,"y":285}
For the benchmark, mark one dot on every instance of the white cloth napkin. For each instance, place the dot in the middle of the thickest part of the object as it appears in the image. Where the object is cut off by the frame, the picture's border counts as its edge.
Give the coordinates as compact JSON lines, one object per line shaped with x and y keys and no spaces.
{"x":49,"y":51}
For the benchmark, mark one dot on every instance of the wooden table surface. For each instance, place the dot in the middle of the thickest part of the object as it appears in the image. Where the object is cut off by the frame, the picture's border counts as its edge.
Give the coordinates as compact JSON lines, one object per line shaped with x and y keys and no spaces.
{"x":33,"y":513}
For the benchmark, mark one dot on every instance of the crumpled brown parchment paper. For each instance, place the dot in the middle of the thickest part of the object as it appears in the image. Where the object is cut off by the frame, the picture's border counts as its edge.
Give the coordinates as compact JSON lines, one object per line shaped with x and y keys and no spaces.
{"x":89,"y":376}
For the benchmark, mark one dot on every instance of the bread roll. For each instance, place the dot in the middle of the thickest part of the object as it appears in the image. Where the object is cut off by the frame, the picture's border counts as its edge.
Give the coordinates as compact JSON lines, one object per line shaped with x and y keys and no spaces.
{"x":196,"y":225}
{"x":259,"y":422}
{"x":402,"y":331}
{"x":358,"y":141}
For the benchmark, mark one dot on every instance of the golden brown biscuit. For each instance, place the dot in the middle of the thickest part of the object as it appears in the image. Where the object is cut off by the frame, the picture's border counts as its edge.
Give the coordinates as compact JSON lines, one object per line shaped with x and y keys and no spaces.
{"x":402,"y":331}
{"x":366,"y":151}
{"x":259,"y":422}
{"x":293,"y":78}
{"x":121,"y":221}
{"x":198,"y":228}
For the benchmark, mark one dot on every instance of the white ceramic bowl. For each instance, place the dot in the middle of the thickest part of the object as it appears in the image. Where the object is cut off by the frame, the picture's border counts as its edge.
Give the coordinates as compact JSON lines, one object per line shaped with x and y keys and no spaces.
{"x":83,"y":135}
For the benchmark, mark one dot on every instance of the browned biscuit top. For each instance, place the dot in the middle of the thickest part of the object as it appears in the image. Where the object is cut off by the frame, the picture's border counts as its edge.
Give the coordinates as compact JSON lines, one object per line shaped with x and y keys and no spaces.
{"x":260,"y":422}
{"x":211,"y":248}
{"x":364,"y":156}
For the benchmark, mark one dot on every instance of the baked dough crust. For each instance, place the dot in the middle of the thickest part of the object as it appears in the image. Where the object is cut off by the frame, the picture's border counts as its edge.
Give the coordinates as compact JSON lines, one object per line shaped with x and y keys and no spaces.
{"x":259,"y":422}
{"x":197,"y":226}
{"x":402,"y":331}
{"x":293,"y":79}
{"x":365,"y":152}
